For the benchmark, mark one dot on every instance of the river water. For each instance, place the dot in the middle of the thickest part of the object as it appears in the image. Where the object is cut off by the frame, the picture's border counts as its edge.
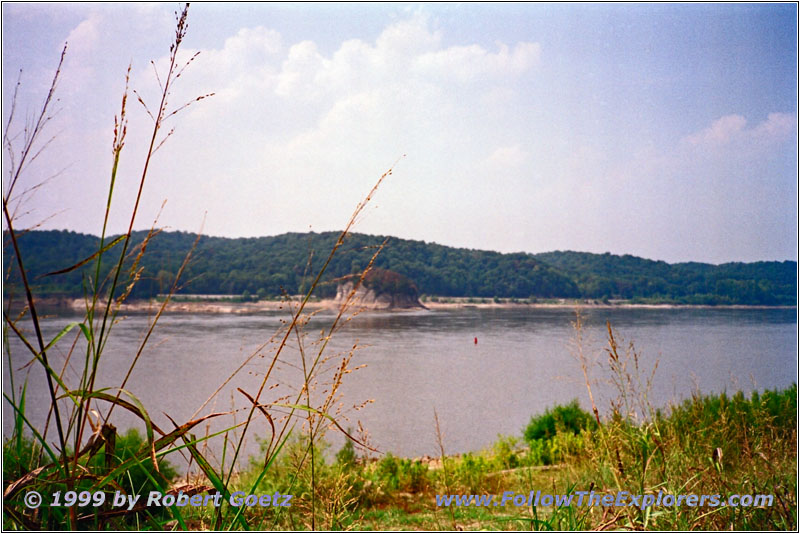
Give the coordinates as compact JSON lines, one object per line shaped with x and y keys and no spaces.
{"x":416,"y":362}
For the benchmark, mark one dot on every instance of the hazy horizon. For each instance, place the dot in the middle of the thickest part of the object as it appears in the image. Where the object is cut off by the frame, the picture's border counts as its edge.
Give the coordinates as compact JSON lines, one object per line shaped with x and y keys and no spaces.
{"x":664,"y":131}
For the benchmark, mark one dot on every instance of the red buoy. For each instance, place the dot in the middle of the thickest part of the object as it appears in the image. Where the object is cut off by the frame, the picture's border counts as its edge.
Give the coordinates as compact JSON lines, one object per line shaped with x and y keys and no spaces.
{"x":476,"y":340}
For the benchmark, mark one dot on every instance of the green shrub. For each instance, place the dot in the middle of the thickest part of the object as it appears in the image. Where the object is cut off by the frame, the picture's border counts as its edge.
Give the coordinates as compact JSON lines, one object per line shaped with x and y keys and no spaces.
{"x":346,"y":457}
{"x":470,"y":473}
{"x":402,"y":474}
{"x":560,"y":418}
{"x":387,"y":471}
{"x":413,"y":476}
{"x":505,"y":452}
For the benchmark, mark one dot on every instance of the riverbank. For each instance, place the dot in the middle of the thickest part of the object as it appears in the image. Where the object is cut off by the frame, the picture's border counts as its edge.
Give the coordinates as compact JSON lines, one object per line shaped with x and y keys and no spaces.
{"x":465,"y":302}
{"x":741,"y":447}
{"x":227,"y":305}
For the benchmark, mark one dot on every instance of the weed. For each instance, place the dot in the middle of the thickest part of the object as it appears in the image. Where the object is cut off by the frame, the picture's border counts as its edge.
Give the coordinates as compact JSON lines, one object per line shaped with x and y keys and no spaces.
{"x":89,"y":453}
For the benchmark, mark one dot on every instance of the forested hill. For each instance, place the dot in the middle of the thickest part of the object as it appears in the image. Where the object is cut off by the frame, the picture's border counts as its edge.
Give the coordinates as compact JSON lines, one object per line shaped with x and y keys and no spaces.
{"x":629,"y":277}
{"x":267,"y":265}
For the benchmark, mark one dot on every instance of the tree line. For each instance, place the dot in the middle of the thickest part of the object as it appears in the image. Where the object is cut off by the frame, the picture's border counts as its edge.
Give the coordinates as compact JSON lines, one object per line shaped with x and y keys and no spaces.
{"x":287,"y":263}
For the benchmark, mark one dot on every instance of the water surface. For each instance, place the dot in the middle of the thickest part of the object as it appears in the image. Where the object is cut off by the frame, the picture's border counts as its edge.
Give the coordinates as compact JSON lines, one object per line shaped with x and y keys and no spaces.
{"x":416,"y":362}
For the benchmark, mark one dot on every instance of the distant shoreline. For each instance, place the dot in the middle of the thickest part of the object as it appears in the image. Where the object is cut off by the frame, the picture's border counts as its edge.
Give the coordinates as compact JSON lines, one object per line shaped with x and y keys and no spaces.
{"x":581,"y":304}
{"x":220,"y":306}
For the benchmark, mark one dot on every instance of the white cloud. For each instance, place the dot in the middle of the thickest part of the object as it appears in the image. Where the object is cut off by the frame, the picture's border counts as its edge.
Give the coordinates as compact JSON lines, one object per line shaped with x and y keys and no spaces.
{"x":300,"y":71}
{"x":467,"y":63}
{"x":82,"y":47}
{"x":733,"y":129}
{"x":720,"y":132}
{"x":359,"y":107}
{"x":244,"y":66}
{"x":406,"y":54}
{"x":777,"y":127}
{"x":253,"y":45}
{"x":83,"y":38}
{"x":408,"y":38}
{"x":388,"y":87}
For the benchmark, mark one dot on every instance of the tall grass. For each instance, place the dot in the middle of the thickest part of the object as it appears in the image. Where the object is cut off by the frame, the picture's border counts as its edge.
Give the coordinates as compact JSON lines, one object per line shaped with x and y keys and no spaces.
{"x":708,"y":444}
{"x":90,"y":454}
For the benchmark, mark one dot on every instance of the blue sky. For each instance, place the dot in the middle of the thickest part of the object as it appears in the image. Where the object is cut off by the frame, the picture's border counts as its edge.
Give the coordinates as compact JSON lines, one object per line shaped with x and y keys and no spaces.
{"x":667,"y":131}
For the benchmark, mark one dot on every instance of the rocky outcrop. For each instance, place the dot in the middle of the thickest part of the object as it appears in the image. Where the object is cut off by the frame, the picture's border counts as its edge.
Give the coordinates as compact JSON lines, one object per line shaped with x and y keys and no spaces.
{"x":382,"y":290}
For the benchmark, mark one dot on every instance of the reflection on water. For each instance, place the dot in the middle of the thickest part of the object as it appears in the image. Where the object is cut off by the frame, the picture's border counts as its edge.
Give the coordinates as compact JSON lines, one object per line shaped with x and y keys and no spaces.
{"x":421,"y":361}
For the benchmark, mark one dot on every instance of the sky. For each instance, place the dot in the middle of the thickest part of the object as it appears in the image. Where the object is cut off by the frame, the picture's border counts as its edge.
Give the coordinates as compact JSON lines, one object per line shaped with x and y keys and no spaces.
{"x":667,"y":131}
